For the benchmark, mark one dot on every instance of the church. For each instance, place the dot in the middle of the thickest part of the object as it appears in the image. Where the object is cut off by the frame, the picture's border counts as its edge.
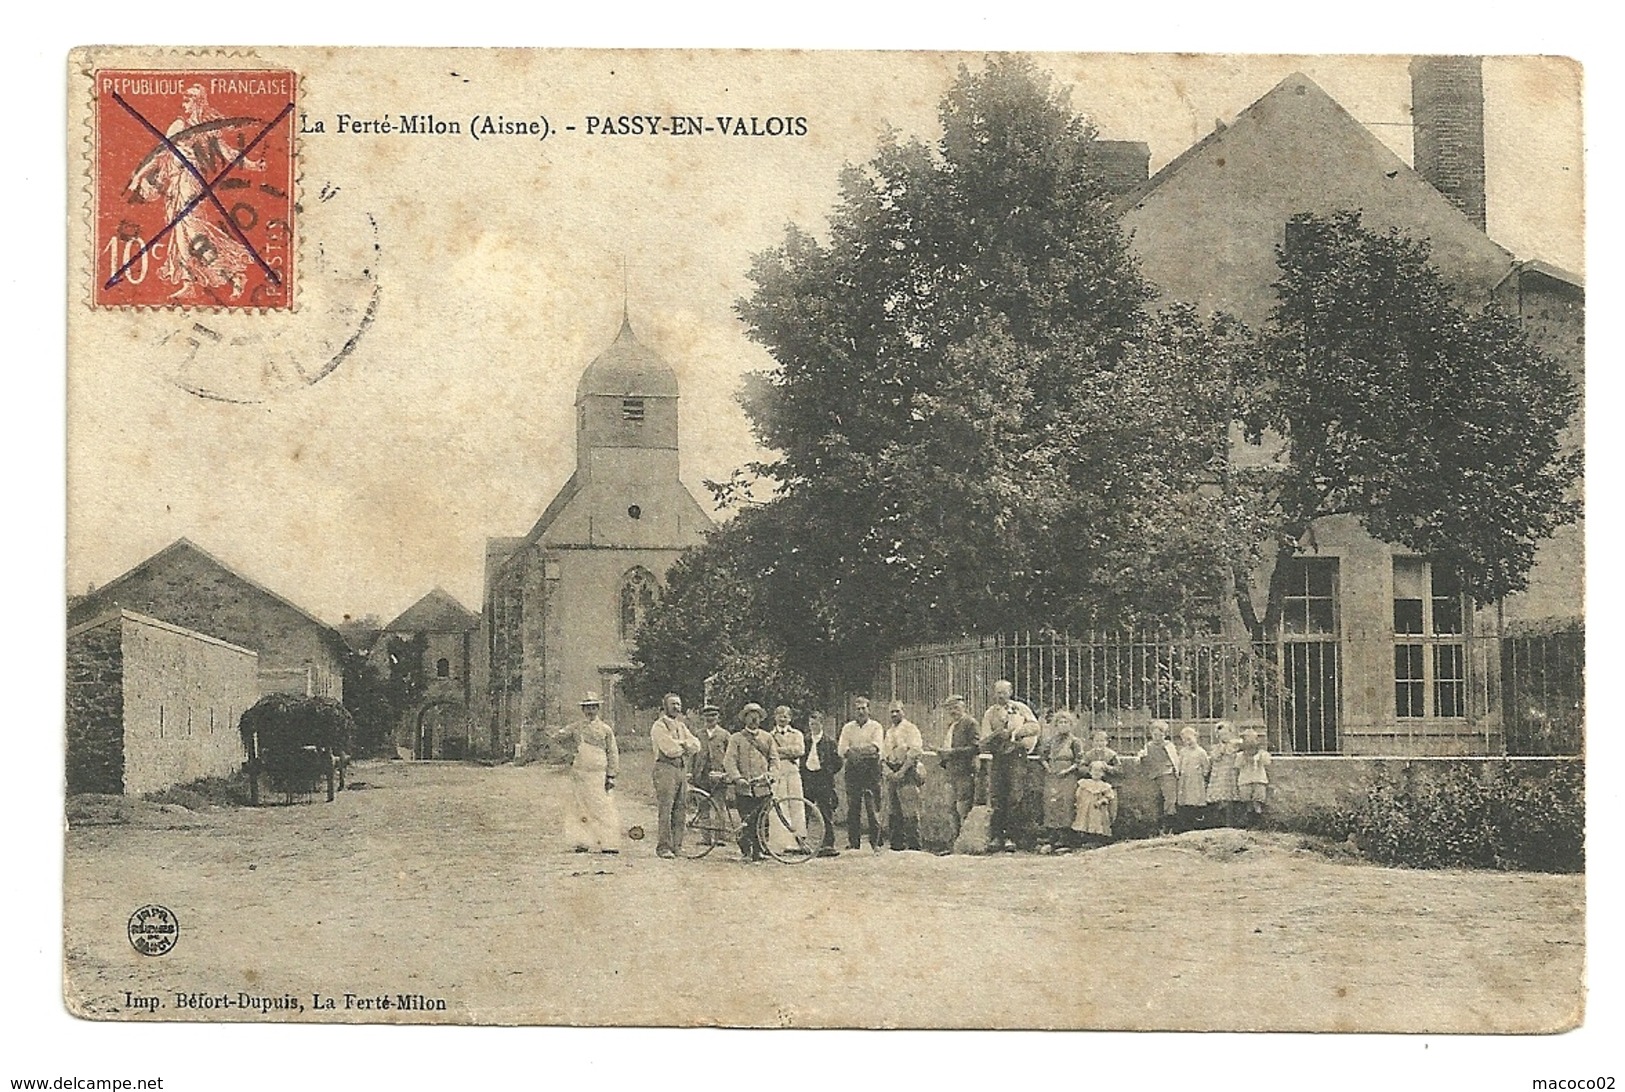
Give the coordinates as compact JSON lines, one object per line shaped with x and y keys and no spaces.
{"x":563,"y":603}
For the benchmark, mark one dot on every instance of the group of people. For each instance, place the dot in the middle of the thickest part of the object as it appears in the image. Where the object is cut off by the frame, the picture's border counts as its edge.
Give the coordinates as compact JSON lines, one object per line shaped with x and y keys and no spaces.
{"x":884,"y":770}
{"x":1080,"y":804}
{"x":1200,"y":788}
{"x":752,"y":766}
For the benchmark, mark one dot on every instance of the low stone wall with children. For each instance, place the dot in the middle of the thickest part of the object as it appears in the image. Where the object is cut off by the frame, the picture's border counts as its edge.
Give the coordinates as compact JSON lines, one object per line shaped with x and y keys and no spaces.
{"x":1304,"y":793}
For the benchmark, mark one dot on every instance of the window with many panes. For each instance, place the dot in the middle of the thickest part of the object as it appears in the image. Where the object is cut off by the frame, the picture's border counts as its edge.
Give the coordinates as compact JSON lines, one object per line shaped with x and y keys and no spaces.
{"x":1430,"y":651}
{"x":1311,"y":661}
{"x":1310,"y":605}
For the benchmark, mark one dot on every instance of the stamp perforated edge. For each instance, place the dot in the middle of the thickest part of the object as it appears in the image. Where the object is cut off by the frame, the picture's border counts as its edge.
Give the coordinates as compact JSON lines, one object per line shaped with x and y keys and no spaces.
{"x":83,"y":61}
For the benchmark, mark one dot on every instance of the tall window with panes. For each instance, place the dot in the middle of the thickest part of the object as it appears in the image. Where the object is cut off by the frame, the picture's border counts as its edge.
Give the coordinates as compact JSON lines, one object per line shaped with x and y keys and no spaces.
{"x":1311,"y":663}
{"x":1430,"y":642}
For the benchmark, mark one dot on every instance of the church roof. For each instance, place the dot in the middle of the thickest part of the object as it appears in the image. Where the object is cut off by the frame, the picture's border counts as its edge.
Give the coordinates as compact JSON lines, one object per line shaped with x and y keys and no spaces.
{"x":628,"y":368}
{"x":436,"y":612}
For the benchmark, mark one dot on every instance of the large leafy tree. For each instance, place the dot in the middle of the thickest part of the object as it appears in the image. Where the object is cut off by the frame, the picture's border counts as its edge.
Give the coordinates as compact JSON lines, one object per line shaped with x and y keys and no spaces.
{"x":713,"y":633}
{"x":1436,"y":424}
{"x":973,"y":424}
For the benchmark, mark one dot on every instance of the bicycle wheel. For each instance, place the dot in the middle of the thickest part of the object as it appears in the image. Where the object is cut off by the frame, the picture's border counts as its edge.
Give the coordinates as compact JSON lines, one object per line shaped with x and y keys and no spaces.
{"x":705,"y":826}
{"x":792,"y":829}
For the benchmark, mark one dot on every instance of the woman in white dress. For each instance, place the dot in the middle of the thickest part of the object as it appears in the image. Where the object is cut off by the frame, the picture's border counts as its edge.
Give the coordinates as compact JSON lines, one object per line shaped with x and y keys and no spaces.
{"x":788,"y":747}
{"x":591,"y":820}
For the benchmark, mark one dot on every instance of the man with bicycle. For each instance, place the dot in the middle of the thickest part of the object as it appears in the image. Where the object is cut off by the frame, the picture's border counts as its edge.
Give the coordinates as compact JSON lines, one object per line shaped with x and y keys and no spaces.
{"x":749,"y":761}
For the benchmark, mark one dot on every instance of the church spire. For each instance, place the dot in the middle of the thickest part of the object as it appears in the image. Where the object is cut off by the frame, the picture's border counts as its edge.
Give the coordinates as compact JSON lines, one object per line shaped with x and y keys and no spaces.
{"x":626,"y":318}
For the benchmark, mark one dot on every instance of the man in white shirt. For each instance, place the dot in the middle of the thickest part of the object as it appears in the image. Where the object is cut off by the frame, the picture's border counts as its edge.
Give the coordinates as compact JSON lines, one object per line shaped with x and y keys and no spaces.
{"x":859,"y":748}
{"x":1009,"y":732}
{"x":900,"y":756}
{"x":673,"y":745}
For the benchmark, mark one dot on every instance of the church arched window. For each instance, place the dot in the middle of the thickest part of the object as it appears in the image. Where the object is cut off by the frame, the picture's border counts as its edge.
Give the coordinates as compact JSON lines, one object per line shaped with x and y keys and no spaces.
{"x":638,"y":593}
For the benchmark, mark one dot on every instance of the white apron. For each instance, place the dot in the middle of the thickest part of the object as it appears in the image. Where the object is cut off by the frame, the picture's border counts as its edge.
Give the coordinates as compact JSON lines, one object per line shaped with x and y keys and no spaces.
{"x":591,"y":821}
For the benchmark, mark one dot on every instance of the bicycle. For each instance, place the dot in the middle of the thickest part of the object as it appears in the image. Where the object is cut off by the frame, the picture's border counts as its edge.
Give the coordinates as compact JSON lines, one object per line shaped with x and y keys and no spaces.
{"x":791,"y":829}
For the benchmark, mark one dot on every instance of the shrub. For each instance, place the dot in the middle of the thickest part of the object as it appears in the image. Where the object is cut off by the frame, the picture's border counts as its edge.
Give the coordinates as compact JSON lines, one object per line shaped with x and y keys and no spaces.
{"x":1470,"y":818}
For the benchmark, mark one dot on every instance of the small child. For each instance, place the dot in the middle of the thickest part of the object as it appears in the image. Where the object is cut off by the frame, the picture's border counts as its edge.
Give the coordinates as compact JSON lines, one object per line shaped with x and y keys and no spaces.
{"x":1252,"y":776}
{"x":1222,"y":793}
{"x":1193,"y":766}
{"x":1099,"y":752}
{"x":1159,"y":758}
{"x":1096,"y":807}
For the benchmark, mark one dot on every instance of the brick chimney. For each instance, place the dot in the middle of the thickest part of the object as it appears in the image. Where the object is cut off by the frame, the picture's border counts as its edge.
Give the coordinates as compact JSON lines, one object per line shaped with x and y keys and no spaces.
{"x":1447,"y":112}
{"x":1119,"y":165}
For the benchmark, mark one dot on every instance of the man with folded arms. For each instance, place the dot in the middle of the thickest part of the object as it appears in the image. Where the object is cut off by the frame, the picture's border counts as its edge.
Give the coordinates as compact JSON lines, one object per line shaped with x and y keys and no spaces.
{"x":958,"y":761}
{"x":1009,"y":732}
{"x":818,"y":769}
{"x":673,"y":745}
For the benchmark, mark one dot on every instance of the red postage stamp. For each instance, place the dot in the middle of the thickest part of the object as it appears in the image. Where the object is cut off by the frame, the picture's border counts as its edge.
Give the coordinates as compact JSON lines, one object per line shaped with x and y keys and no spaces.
{"x":194,"y":188}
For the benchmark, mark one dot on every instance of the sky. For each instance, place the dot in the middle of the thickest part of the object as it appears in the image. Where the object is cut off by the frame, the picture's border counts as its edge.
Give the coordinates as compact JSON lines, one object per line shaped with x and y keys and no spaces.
{"x":500,"y":276}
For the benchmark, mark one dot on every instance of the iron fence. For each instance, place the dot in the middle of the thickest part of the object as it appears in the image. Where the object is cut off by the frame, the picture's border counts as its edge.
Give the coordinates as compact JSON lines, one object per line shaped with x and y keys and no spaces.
{"x":1485,"y":694}
{"x":1543,"y":692}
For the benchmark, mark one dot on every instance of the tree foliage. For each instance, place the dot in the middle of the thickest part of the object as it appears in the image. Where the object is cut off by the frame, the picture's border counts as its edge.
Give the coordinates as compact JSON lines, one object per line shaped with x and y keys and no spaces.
{"x":977,"y":425}
{"x":1437,"y":425}
{"x":381,"y":685}
{"x":974,"y":425}
{"x":713,"y":624}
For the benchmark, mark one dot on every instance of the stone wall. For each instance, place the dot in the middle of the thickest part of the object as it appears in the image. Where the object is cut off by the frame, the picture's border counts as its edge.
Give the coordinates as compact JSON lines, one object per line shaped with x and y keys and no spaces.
{"x":152,"y":705}
{"x":183,"y":694}
{"x":95,"y":708}
{"x":1300,"y":788}
{"x":1553,"y":314}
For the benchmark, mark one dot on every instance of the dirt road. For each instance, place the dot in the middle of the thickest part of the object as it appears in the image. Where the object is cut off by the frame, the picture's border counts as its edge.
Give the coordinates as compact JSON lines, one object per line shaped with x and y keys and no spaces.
{"x":452,"y":883}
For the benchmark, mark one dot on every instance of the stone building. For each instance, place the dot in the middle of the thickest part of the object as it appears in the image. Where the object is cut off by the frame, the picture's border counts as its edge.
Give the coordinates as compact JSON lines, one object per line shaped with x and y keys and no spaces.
{"x":150,"y":705}
{"x":441,"y":632}
{"x":184,"y":586}
{"x":563,"y":602}
{"x":1383,"y":656}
